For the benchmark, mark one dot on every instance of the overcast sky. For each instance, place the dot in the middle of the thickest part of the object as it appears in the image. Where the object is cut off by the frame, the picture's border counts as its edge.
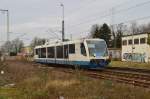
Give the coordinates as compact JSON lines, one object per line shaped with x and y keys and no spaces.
{"x":31,"y":18}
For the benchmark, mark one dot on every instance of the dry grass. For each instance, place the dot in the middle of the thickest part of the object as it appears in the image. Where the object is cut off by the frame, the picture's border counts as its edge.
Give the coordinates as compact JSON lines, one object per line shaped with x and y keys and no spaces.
{"x":34,"y":83}
{"x":130,"y":64}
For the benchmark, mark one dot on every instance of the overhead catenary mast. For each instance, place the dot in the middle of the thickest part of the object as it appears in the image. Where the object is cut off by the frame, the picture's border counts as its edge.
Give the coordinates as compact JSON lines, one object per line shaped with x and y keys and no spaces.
{"x":7,"y":12}
{"x":63,"y":22}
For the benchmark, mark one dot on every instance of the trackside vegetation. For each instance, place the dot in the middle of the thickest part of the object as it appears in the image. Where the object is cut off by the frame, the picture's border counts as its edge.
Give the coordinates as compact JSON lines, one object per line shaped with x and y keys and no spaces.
{"x":29,"y":81}
{"x":130,"y":64}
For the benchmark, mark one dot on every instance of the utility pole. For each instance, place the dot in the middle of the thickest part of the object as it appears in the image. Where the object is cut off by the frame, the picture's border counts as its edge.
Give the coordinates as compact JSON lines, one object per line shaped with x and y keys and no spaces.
{"x":7,"y":12}
{"x":71,"y":37}
{"x":63,"y":23}
{"x":8,"y":25}
{"x":133,"y":32}
{"x":112,"y":21}
{"x":132,"y":44}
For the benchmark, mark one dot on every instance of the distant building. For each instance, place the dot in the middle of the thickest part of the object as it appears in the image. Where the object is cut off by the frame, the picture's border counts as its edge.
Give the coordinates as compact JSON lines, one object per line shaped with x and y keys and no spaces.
{"x":26,"y":51}
{"x":135,"y":48}
{"x":115,"y":53}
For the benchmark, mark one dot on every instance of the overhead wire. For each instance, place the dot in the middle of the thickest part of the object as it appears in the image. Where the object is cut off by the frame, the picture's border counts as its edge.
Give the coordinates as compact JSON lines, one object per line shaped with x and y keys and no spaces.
{"x":108,"y":9}
{"x":132,"y":20}
{"x":104,"y":16}
{"x":83,"y":7}
{"x":53,"y":33}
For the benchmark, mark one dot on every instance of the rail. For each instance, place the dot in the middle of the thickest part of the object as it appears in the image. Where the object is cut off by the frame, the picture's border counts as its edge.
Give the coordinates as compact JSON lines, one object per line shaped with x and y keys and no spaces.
{"x":135,"y":77}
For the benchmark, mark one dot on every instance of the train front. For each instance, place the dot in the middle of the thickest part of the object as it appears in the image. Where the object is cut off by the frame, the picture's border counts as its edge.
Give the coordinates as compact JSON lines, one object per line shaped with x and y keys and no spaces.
{"x":98,"y":53}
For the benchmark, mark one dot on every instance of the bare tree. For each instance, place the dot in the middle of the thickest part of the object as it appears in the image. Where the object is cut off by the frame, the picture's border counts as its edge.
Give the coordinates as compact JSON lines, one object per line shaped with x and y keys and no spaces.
{"x":5,"y":48}
{"x":117,"y":33}
{"x":17,"y":44}
{"x":37,"y":41}
{"x":134,"y":28}
{"x":145,"y":28}
{"x":12,"y":46}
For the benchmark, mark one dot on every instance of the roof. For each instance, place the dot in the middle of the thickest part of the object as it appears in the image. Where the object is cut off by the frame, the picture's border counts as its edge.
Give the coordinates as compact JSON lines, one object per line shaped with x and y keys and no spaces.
{"x":114,"y":48}
{"x":135,"y":34}
{"x":66,"y":42}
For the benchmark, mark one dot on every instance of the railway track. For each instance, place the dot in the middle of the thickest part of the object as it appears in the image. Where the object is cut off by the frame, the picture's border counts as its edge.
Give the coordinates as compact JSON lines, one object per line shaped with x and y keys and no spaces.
{"x":135,"y":77}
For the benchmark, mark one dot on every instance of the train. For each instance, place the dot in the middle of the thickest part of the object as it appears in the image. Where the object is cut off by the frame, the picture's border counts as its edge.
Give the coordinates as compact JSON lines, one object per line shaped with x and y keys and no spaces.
{"x":85,"y":53}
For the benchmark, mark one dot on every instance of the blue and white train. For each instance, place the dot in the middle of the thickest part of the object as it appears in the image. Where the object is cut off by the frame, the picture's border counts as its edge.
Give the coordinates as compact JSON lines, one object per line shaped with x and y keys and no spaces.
{"x":87,"y":53}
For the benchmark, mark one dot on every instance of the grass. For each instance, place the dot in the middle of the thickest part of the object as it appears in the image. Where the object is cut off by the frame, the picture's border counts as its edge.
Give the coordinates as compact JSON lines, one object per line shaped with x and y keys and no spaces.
{"x":130,"y":64}
{"x":41,"y":83}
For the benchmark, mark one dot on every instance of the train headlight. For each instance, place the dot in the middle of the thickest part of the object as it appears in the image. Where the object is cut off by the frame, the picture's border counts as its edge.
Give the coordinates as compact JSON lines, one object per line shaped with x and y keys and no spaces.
{"x":94,"y":55}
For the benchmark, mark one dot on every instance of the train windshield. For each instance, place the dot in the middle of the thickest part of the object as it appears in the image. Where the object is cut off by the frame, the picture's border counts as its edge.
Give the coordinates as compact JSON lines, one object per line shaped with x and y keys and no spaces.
{"x":97,"y":48}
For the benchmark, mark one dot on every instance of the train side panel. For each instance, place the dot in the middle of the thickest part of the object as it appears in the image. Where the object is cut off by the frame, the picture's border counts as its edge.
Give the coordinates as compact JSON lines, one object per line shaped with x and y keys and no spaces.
{"x":74,"y":53}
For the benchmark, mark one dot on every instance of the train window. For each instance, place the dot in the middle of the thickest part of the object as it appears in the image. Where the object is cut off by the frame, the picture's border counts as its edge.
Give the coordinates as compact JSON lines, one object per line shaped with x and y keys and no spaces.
{"x":124,"y":42}
{"x":39,"y":53}
{"x":97,"y":48}
{"x":43,"y":52}
{"x":83,"y":51}
{"x":136,"y":41}
{"x":71,"y":48}
{"x":51,"y":52}
{"x":66,"y":50}
{"x":142,"y":40}
{"x":59,"y":51}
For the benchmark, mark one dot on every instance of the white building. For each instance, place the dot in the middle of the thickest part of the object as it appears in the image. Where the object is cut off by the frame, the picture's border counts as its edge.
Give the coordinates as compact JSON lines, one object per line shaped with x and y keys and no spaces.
{"x":115,"y":53}
{"x":135,"y":48}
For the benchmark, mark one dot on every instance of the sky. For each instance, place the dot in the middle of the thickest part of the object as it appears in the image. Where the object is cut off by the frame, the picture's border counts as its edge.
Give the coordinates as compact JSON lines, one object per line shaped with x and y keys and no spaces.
{"x":42,"y":18}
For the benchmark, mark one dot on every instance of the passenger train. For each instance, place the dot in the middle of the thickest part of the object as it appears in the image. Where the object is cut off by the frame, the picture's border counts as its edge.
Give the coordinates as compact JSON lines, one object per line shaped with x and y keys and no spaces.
{"x":87,"y":53}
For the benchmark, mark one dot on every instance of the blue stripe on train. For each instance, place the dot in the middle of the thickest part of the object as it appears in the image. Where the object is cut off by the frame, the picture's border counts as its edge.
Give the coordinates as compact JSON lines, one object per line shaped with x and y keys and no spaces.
{"x":83,"y":64}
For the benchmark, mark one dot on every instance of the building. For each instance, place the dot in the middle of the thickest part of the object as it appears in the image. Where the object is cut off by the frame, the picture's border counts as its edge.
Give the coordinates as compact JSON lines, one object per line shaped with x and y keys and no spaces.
{"x":115,"y":53}
{"x":135,"y":48}
{"x":26,"y":51}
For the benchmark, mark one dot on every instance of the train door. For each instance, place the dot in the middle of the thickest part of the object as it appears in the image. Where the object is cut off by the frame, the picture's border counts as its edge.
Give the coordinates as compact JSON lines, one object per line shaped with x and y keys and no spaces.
{"x":66,"y":54}
{"x":83,"y":50}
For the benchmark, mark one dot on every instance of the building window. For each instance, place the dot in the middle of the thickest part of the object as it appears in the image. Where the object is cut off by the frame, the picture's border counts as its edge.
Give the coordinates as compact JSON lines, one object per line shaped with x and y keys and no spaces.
{"x":51,"y":52}
{"x":124,"y":42}
{"x":43,"y":52}
{"x":130,"y":42}
{"x":136,"y":41}
{"x":59,"y":51}
{"x":142,"y":40}
{"x":71,"y":48}
{"x":66,"y":51}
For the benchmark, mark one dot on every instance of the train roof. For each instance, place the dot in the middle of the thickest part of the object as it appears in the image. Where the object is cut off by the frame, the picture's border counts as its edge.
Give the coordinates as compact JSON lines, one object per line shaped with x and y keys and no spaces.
{"x":66,"y":42}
